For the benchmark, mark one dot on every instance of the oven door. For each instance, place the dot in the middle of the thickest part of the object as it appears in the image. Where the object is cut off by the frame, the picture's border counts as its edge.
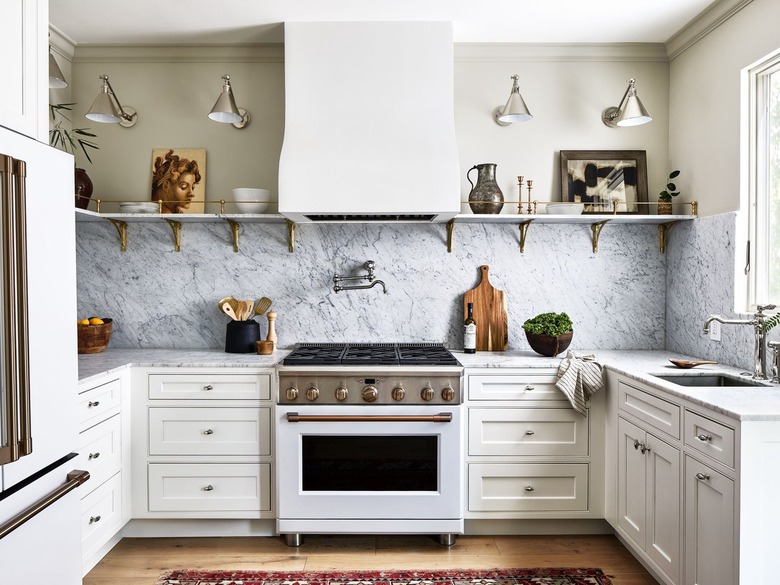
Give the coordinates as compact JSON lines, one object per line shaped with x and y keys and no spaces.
{"x":369,"y":463}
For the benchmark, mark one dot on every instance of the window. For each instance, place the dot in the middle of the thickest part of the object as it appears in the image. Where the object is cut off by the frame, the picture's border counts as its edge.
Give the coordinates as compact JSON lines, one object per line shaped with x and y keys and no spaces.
{"x":763,"y":259}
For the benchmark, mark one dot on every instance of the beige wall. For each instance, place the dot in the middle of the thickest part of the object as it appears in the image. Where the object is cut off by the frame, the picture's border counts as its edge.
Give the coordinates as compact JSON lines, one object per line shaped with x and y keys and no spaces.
{"x":565,"y":87}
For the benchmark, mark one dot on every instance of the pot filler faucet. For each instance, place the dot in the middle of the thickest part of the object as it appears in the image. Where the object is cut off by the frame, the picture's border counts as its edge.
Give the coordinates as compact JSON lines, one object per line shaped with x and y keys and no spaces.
{"x":758,"y":320}
{"x":369,"y":266}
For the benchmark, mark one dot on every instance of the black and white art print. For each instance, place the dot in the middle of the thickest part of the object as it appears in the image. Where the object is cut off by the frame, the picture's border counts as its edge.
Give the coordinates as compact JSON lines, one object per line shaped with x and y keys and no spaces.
{"x":605,"y":181}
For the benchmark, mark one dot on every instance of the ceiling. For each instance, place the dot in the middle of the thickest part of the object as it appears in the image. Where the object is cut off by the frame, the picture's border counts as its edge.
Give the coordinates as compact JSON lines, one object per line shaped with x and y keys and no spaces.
{"x":259,"y":21}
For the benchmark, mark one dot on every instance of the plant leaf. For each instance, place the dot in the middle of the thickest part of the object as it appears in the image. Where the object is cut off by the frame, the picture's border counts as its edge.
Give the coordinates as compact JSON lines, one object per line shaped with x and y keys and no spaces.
{"x":674,"y":174}
{"x":671,"y":186}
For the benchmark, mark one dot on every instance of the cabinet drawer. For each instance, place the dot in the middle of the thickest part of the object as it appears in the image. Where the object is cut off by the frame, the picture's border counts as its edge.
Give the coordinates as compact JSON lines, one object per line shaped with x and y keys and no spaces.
{"x":210,"y":386}
{"x":538,"y":386}
{"x":657,"y":413}
{"x":101,"y":515}
{"x":100,"y":450}
{"x":507,"y":487}
{"x":97,"y":404}
{"x":210,"y":431}
{"x":526,"y":431}
{"x":710,"y":437}
{"x":179,"y":487}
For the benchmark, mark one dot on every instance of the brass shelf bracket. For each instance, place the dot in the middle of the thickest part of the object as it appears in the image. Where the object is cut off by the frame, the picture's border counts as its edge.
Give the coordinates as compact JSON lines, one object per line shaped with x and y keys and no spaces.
{"x":450,"y":231}
{"x":234,"y":227}
{"x":121,"y":229}
{"x":663,"y":229}
{"x":595,"y":228}
{"x":176,"y":228}
{"x":524,"y":225}
{"x":291,"y":236}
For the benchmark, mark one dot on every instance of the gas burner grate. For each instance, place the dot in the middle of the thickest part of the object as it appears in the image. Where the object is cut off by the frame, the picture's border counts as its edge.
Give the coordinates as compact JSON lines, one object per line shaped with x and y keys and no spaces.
{"x":404,"y":354}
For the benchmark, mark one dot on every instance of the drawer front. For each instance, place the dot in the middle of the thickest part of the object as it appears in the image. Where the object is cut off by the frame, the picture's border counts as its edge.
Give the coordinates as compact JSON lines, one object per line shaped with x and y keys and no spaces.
{"x":657,"y":413}
{"x":506,"y":487}
{"x":100,"y":450}
{"x":710,"y":437}
{"x":526,"y":431}
{"x":210,"y":386}
{"x":210,"y":431}
{"x":540,"y":386}
{"x":101,"y":515}
{"x":97,"y":404}
{"x":180,"y":487}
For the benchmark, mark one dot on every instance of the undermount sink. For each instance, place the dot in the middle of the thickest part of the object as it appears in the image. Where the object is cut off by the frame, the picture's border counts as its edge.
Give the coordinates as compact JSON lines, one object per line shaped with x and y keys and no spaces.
{"x":709,"y":380}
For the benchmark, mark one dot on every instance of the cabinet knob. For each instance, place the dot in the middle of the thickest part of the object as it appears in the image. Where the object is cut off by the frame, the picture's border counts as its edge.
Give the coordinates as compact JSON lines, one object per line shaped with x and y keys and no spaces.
{"x":529,"y":488}
{"x":208,"y":432}
{"x":208,"y":387}
{"x":636,"y":444}
{"x":92,"y":404}
{"x":208,"y":488}
{"x":702,"y":476}
{"x":529,"y":432}
{"x":93,"y":519}
{"x":704,"y":438}
{"x":93,"y":456}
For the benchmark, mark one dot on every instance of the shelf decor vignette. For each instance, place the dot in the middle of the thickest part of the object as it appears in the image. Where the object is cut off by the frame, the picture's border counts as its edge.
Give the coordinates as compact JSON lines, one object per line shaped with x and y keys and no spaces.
{"x":605,"y":181}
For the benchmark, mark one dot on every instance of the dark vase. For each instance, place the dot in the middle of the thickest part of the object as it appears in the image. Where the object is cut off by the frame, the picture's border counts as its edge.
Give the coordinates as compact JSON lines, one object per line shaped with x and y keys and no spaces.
{"x":83,"y":188}
{"x":548,"y":345}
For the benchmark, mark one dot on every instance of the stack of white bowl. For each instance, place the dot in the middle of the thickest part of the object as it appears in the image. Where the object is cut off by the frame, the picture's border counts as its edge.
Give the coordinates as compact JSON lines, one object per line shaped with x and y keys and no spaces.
{"x":249,"y":200}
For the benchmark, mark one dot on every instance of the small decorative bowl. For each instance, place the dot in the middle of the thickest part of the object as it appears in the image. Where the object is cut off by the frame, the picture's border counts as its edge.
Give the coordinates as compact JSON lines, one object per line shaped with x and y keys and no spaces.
{"x":94,"y":338}
{"x":251,"y":200}
{"x":564,"y":208}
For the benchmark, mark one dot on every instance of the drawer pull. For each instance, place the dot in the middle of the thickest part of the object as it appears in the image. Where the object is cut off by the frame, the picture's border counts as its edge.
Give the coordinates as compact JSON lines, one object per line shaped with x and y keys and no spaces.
{"x":529,"y":432}
{"x":704,"y":438}
{"x":208,"y":432}
{"x":530,"y":388}
{"x":702,"y":476}
{"x":93,"y":456}
{"x":208,"y":387}
{"x":93,"y":519}
{"x":208,"y":488}
{"x":92,"y":404}
{"x":529,"y":488}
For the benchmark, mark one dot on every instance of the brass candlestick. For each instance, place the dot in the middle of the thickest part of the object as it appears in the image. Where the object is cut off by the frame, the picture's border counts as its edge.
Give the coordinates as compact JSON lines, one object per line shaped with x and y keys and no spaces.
{"x":529,"y":183}
{"x":520,"y":194}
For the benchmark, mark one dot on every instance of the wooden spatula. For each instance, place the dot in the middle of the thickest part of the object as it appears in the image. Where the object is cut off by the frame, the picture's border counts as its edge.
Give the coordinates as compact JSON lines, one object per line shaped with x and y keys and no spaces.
{"x":680,"y":363}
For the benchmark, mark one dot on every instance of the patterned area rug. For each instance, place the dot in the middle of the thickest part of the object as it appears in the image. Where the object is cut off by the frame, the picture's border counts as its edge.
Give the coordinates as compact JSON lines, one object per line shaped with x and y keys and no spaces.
{"x":444,"y":577}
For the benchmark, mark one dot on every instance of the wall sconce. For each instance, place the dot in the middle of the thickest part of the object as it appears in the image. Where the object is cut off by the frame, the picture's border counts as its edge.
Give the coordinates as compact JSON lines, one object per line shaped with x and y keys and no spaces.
{"x":630,"y":112}
{"x":225,"y":109}
{"x":107,"y":109}
{"x":56,"y":78}
{"x":515,"y":109}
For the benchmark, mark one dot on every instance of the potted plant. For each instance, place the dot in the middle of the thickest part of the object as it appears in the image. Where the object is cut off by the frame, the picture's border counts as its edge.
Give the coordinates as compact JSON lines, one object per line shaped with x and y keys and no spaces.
{"x":69,"y":141}
{"x":549,"y":333}
{"x":665,"y":196}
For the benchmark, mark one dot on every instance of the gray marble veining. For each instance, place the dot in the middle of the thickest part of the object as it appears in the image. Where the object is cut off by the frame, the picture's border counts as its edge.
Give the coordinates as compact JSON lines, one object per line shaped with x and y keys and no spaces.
{"x":159,"y":298}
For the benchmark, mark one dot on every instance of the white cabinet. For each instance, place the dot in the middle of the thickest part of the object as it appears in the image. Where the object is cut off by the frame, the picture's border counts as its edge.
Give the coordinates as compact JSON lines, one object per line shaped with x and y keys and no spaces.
{"x":24,"y":47}
{"x":529,"y":454}
{"x":202,"y":443}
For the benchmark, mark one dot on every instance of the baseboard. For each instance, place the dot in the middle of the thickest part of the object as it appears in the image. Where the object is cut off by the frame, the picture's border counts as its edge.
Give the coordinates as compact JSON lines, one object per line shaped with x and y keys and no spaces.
{"x":172,"y":528}
{"x":512,"y":527}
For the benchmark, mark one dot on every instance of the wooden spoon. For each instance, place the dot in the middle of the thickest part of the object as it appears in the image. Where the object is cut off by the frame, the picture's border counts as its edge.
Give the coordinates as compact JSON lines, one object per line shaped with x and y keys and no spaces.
{"x":680,"y":363}
{"x":262,"y":305}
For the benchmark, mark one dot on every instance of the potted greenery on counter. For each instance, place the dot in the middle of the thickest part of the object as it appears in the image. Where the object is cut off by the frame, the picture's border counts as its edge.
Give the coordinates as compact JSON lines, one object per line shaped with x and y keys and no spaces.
{"x":549,"y":333}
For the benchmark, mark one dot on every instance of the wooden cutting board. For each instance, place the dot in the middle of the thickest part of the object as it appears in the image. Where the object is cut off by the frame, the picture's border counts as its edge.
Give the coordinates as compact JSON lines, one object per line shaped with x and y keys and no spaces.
{"x":489,"y":314}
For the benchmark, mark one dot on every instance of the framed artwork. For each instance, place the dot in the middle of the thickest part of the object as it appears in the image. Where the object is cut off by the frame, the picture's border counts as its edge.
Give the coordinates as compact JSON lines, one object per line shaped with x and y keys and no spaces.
{"x":599,"y":178}
{"x":179,"y":179}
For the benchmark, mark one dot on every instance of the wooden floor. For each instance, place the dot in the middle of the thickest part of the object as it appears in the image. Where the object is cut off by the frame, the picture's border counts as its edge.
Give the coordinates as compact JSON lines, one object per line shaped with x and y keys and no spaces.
{"x":140,"y":561}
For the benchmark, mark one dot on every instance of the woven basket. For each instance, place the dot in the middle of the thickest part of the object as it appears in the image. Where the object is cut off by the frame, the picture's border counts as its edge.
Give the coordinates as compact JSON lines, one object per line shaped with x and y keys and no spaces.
{"x":94,"y":338}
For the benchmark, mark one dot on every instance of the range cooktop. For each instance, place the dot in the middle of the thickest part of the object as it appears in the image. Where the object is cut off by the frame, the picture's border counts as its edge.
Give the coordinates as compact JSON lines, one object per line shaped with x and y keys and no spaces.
{"x":373,"y":354}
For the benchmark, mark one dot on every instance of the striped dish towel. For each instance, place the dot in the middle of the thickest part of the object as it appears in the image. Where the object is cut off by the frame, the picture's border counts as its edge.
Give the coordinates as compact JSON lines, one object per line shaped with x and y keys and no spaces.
{"x":579,"y":378}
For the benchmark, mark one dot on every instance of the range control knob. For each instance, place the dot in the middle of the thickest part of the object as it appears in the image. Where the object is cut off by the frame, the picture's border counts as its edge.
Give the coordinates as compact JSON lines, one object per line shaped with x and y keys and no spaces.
{"x":291,"y":393}
{"x":398,"y":393}
{"x":341,"y":393}
{"x":427,"y":394}
{"x":447,"y":393}
{"x":312,"y":393}
{"x":369,"y":393}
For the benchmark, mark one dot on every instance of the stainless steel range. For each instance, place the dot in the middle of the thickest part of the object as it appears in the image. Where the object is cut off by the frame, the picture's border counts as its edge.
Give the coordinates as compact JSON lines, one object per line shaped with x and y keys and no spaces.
{"x":369,"y":440}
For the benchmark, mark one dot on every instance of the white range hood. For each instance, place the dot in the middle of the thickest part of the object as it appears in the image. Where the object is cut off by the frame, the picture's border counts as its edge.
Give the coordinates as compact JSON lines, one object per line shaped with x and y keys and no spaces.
{"x":369,"y":122}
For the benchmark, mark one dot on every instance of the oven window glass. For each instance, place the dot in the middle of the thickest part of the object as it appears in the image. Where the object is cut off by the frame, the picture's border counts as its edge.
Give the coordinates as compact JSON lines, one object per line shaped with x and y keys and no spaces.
{"x":370,"y":463}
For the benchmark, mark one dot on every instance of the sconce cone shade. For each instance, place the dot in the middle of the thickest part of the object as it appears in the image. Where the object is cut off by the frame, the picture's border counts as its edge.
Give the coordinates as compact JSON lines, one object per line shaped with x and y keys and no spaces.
{"x":633,"y":113}
{"x":103,"y":109}
{"x":225,"y":109}
{"x":515,"y":109}
{"x":56,"y":78}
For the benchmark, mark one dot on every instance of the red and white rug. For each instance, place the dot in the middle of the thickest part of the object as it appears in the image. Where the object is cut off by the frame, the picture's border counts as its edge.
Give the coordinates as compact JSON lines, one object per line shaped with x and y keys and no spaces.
{"x":395,"y":577}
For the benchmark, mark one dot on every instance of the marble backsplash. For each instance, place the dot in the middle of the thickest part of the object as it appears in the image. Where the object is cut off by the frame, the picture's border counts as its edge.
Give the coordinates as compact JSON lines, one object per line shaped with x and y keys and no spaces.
{"x":159,"y":298}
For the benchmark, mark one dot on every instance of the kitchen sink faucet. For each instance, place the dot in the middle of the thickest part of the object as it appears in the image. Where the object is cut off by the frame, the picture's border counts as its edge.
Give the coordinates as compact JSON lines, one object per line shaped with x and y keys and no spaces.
{"x":369,"y":266}
{"x":758,"y":320}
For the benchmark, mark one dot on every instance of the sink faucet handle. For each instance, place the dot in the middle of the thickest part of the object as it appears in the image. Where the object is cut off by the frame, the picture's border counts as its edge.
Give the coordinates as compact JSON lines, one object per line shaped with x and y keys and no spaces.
{"x":762,"y":308}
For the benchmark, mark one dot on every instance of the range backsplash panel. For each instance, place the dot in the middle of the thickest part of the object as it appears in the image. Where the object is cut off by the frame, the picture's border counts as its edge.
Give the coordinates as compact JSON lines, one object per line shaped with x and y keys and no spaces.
{"x":159,"y":298}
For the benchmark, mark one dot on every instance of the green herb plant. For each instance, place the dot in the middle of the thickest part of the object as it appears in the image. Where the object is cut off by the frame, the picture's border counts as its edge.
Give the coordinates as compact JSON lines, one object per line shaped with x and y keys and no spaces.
{"x":552,"y":324}
{"x":69,"y":140}
{"x":671,"y":188}
{"x":771,"y":323}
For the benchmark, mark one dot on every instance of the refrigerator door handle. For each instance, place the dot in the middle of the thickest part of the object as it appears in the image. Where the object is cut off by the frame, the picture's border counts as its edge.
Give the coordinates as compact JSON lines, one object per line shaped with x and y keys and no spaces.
{"x":74,"y":479}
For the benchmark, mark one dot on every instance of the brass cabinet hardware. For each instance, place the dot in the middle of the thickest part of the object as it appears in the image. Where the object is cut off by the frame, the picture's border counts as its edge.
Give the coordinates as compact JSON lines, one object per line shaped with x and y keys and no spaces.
{"x":291,"y":236}
{"x":176,"y":229}
{"x":234,"y":227}
{"x":595,"y":228}
{"x":450,"y":230}
{"x":121,"y":230}
{"x":524,"y":225}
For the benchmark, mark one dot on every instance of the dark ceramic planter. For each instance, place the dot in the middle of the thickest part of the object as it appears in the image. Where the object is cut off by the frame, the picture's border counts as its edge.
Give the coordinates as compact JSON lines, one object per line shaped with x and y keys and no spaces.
{"x":84,"y":188}
{"x":547,"y":345}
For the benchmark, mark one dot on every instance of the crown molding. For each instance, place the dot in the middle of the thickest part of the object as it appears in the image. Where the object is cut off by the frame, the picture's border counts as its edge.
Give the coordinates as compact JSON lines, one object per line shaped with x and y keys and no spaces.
{"x":560,"y":52}
{"x":61,"y":44}
{"x":210,"y":53}
{"x":702,"y":25}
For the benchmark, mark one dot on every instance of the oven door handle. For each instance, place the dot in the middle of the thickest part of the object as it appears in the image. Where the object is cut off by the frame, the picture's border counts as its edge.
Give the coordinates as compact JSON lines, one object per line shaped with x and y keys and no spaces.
{"x":442,"y":417}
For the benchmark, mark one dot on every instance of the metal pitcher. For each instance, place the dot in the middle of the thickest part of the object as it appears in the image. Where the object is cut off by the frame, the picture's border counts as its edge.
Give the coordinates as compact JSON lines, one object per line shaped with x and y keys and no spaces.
{"x":486,"y":195}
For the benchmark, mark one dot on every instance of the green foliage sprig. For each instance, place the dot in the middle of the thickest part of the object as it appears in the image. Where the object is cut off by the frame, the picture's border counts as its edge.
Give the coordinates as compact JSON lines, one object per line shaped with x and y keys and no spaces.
{"x":552,"y":324}
{"x":671,"y":188}
{"x":68,"y":140}
{"x":771,"y":323}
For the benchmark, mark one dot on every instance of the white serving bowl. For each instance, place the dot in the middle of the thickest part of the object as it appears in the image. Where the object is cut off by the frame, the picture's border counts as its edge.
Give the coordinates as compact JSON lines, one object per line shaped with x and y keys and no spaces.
{"x":251,"y":200}
{"x":564,"y":208}
{"x":139,"y":207}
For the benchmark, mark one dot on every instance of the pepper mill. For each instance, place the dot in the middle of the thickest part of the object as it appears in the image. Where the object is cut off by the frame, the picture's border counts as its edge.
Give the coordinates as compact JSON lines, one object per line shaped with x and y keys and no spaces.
{"x":271,"y":328}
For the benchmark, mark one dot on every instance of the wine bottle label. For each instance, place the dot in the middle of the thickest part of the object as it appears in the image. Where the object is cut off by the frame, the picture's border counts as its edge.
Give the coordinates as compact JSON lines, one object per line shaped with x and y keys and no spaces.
{"x":470,"y":336}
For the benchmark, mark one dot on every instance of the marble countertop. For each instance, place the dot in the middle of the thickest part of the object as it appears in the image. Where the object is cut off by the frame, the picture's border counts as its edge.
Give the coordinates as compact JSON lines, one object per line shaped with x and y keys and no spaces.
{"x":743,"y":403}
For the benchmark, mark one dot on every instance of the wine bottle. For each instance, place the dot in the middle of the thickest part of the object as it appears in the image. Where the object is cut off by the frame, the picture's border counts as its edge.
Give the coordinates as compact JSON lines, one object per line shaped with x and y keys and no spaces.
{"x":470,"y":331}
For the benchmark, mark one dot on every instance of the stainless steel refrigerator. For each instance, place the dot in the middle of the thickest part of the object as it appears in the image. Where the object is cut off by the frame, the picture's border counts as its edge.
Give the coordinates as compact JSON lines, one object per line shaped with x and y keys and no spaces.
{"x":40,"y":532}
